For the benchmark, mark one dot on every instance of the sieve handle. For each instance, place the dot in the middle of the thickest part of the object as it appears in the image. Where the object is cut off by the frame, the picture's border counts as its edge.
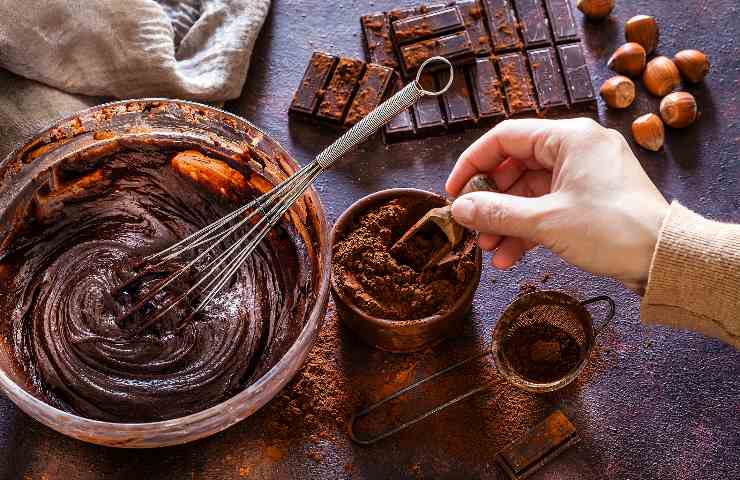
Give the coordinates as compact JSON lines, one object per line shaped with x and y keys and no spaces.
{"x":609,"y":314}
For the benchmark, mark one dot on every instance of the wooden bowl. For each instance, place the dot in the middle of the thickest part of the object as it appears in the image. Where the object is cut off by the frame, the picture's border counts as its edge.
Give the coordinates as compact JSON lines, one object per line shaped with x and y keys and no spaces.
{"x":400,"y":335}
{"x":149,"y":123}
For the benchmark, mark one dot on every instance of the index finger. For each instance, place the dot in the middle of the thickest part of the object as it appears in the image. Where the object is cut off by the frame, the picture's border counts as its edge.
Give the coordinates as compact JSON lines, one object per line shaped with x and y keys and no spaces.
{"x":522,"y":140}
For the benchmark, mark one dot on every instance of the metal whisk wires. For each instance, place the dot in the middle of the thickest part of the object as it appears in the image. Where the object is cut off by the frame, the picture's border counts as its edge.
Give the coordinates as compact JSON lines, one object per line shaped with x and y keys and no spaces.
{"x":249,"y":224}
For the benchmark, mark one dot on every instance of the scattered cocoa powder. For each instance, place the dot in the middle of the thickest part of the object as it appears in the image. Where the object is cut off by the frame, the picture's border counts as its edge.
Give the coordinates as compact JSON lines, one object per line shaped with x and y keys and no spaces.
{"x":364,"y":270}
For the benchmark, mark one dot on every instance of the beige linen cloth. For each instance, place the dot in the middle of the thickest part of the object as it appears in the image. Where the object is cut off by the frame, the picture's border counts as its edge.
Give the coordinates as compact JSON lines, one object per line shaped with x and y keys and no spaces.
{"x":190,"y":49}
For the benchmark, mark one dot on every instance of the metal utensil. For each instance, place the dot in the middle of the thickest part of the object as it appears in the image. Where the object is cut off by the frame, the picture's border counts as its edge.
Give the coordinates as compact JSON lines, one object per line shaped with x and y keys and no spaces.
{"x":549,"y":309}
{"x":441,"y":219}
{"x":249,"y":224}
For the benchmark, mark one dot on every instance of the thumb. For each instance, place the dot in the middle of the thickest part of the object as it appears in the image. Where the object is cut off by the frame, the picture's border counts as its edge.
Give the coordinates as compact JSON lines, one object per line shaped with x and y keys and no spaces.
{"x":502,"y":214}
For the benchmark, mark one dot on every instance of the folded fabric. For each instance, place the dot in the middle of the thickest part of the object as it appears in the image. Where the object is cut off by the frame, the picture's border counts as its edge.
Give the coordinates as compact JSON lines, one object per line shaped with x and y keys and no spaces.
{"x":192,"y":49}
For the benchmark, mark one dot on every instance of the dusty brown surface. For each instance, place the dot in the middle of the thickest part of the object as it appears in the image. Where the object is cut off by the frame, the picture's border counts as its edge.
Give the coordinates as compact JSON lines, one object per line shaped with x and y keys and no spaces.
{"x":653,"y":403}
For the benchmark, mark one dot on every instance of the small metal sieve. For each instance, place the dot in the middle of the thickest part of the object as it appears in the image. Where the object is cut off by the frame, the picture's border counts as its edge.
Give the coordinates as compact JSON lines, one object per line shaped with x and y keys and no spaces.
{"x":540,"y":329}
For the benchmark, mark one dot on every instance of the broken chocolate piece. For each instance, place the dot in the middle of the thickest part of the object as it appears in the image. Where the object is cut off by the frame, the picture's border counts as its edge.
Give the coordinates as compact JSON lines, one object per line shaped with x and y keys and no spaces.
{"x":517,"y":84}
{"x":310,"y":90}
{"x":577,"y":77}
{"x":457,"y":100}
{"x":548,"y":81}
{"x":338,"y":93}
{"x":541,"y":444}
{"x":430,"y":24}
{"x":369,"y":94}
{"x":562,"y":20}
{"x":472,"y":16}
{"x":457,"y":48}
{"x":501,"y":25}
{"x":532,"y":18}
{"x":486,"y":89}
{"x":378,"y":44}
{"x":428,"y":113}
{"x":402,"y":125}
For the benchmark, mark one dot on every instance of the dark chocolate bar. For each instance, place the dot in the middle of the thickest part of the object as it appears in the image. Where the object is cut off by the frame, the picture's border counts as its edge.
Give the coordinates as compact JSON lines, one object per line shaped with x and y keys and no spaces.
{"x":308,"y":95}
{"x":457,"y":48}
{"x":502,"y":25}
{"x":577,"y":77}
{"x":402,"y":125}
{"x":372,"y":87}
{"x":428,"y":113}
{"x":378,"y":43}
{"x":338,"y":93}
{"x":548,"y":81}
{"x":486,"y":89}
{"x":517,"y":83}
{"x":472,"y":16}
{"x":534,"y":24}
{"x":562,"y":20}
{"x":426,"y":25}
{"x":457,"y":100}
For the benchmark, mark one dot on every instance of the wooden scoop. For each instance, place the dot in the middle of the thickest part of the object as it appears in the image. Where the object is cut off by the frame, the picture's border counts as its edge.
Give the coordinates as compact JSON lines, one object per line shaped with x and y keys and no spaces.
{"x":429,"y":226}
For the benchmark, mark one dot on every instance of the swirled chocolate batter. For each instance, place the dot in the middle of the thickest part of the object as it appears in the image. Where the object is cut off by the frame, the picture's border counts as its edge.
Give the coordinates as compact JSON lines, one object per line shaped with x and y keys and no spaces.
{"x":76,"y":242}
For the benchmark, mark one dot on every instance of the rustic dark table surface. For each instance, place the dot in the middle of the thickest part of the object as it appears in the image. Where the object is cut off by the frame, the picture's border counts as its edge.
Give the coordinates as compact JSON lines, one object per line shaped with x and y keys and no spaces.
{"x":653,"y":403}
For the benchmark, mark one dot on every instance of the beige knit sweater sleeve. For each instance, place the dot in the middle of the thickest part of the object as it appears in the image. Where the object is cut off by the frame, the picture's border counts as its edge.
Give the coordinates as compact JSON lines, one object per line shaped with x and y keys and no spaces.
{"x":694,"y":280}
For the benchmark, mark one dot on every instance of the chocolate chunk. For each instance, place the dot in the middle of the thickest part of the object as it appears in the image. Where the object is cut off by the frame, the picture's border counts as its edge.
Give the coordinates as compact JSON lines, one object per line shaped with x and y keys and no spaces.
{"x":339,"y":91}
{"x":457,"y":48}
{"x":428,"y":113}
{"x":402,"y":125}
{"x":310,"y":90}
{"x":533,"y":21}
{"x":457,"y":100}
{"x":562,"y":20}
{"x":502,"y":25}
{"x":430,"y":24}
{"x":472,"y":16}
{"x":517,"y":84}
{"x":370,"y":92}
{"x":486,"y":89}
{"x":548,"y":81}
{"x":577,"y":77}
{"x":378,"y":44}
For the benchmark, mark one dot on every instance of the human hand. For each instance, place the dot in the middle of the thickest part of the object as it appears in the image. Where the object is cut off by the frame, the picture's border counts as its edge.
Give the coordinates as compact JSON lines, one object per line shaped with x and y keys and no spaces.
{"x":570,"y":185}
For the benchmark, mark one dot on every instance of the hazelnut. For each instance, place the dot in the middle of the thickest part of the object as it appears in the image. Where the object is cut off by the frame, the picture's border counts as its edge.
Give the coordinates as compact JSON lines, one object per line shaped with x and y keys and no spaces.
{"x":629,"y":59}
{"x":618,"y":92}
{"x":642,"y":29}
{"x":692,"y":64}
{"x":661,"y":76}
{"x":648,"y":132}
{"x":678,"y":109}
{"x":595,"y":9}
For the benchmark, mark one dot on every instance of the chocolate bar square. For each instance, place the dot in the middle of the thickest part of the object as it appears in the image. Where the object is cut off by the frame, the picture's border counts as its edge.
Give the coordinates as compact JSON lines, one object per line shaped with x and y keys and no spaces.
{"x":577,"y":78}
{"x":472,"y":15}
{"x":517,"y":84}
{"x":502,"y":25}
{"x":562,"y":20}
{"x":310,"y":91}
{"x":548,"y":80}
{"x":534,"y":24}
{"x":370,"y":91}
{"x":427,"y":111}
{"x":426,"y":25}
{"x":457,"y":48}
{"x":486,"y":90}
{"x":378,"y":43}
{"x":341,"y":88}
{"x":457,"y":100}
{"x":402,"y":125}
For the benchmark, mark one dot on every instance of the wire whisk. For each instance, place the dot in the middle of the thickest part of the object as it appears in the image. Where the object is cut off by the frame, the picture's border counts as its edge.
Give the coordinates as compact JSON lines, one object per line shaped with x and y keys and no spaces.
{"x":248,"y":225}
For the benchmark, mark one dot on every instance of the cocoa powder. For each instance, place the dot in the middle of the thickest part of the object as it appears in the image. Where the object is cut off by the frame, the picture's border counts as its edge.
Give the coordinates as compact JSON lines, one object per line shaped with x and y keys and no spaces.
{"x":364,"y":270}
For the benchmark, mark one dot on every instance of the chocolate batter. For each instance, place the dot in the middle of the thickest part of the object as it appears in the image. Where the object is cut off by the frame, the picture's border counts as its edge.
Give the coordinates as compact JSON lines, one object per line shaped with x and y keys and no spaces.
{"x":76,"y":241}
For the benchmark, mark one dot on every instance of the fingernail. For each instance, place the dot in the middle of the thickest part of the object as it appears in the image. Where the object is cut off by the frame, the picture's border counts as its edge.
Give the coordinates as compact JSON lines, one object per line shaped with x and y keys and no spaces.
{"x":463,"y":210}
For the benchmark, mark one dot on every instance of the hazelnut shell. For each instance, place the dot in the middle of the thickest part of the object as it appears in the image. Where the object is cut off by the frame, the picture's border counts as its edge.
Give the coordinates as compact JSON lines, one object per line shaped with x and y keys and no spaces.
{"x":618,"y":92}
{"x":595,"y":9}
{"x":629,"y":59}
{"x":661,"y":76}
{"x":678,"y":109}
{"x":692,"y":64}
{"x":642,"y":29}
{"x":648,"y":132}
